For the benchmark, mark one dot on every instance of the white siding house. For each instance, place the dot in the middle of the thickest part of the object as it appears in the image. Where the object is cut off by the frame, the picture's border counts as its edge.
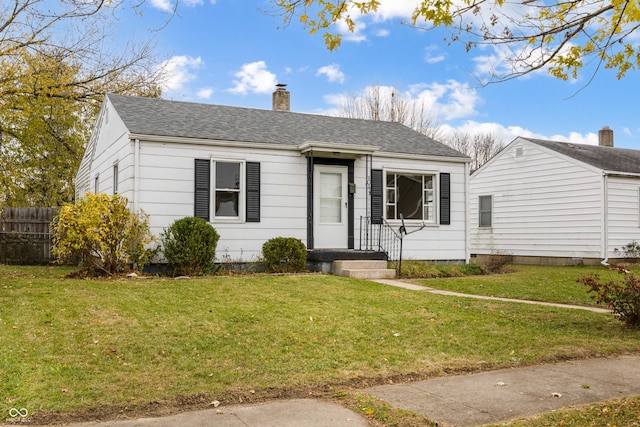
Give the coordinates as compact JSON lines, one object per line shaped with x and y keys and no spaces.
{"x":552,"y":202}
{"x":258,"y":174}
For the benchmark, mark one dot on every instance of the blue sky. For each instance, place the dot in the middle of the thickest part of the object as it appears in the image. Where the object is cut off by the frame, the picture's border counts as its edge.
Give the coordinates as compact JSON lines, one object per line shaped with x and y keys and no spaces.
{"x":231,"y":52}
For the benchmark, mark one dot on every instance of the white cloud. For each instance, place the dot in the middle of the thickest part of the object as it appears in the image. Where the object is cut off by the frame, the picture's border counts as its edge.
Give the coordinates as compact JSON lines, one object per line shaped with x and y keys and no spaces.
{"x":176,"y":72}
{"x":353,"y":36}
{"x":432,"y":54}
{"x":506,"y":134}
{"x":451,"y":102}
{"x":395,"y":9}
{"x":383,"y":32}
{"x":168,"y":6}
{"x":332,"y":72}
{"x":254,"y":78}
{"x":438,"y":101}
{"x":205,"y":93}
{"x":447,"y":101}
{"x":589,"y":138}
{"x":163,"y":5}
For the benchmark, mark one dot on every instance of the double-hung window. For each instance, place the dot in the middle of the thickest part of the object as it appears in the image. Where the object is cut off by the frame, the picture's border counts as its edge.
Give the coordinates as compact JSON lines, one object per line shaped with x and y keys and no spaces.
{"x":485,"y":210}
{"x":411,"y":196}
{"x":227,"y":189}
{"x":115,"y":178}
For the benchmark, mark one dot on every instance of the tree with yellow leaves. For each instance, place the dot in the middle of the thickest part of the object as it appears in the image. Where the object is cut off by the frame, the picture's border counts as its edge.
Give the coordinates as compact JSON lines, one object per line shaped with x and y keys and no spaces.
{"x":56,"y":62}
{"x":559,"y":36}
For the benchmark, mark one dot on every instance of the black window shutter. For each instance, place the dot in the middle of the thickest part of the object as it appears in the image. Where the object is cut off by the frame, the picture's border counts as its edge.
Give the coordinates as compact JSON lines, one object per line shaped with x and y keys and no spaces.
{"x":253,"y":192}
{"x":445,"y":198}
{"x":202,"y":190}
{"x":376,"y":196}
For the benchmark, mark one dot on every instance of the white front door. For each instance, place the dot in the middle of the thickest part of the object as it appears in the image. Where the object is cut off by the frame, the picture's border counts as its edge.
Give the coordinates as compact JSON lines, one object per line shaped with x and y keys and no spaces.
{"x":330,"y":207}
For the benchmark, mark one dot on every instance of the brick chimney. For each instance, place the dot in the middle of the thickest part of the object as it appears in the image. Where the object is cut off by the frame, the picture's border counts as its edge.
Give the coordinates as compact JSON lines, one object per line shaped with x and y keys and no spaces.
{"x":605,"y":137}
{"x":281,"y":98}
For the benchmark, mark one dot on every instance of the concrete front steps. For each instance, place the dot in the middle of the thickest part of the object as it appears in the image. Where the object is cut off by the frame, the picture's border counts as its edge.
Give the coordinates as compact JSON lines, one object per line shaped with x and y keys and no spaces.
{"x":363,"y":269}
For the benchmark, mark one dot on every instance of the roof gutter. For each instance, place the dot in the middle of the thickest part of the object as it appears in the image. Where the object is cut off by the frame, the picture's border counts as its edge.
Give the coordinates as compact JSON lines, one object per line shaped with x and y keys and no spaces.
{"x":621,"y":174}
{"x":305,"y":147}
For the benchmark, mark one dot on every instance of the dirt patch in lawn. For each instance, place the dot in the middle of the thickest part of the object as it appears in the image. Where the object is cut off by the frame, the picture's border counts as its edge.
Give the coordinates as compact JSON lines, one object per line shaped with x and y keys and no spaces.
{"x":340,"y":392}
{"x":183,"y":403}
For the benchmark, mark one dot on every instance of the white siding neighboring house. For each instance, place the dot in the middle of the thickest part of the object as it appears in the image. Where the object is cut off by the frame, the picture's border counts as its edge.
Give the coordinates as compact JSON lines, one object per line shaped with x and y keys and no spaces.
{"x":556,"y":203}
{"x":258,"y":174}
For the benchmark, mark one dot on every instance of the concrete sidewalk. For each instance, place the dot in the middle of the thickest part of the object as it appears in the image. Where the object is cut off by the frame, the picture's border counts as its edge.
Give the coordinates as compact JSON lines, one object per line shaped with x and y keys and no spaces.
{"x":282,"y":413}
{"x":498,"y":396}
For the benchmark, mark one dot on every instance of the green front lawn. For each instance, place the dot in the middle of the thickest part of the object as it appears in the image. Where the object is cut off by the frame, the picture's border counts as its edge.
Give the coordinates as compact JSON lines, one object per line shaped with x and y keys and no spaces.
{"x":72,"y":345}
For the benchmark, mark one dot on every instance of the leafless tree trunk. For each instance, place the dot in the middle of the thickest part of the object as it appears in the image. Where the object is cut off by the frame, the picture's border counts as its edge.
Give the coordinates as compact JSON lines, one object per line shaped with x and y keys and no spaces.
{"x":480,"y":147}
{"x":389,"y":104}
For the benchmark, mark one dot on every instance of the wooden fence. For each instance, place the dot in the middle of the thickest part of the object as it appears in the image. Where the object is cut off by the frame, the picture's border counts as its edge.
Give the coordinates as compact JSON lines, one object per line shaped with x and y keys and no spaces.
{"x":25,"y":236}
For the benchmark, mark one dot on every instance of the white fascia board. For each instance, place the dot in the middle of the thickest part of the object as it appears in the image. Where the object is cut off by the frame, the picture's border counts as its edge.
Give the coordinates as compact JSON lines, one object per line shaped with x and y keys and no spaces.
{"x":212,"y":142}
{"x":422,"y":157}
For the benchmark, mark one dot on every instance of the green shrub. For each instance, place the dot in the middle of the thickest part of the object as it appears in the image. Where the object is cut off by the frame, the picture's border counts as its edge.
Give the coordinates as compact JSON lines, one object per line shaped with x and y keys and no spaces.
{"x":412,"y":269}
{"x":284,"y":255}
{"x":622,"y":298}
{"x":102,"y":234}
{"x":189,"y":246}
{"x":472,"y":269}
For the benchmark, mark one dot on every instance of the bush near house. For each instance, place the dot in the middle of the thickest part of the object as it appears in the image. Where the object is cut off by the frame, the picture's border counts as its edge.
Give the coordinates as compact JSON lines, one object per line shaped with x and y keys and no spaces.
{"x":100,"y":233}
{"x":284,"y":255}
{"x":622,"y":298}
{"x":189,"y":246}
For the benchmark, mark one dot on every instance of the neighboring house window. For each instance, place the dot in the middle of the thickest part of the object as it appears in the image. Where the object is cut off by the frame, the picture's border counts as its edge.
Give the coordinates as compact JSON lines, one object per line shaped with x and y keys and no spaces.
{"x":410,"y":195}
{"x":485,"y":210}
{"x":96,"y":184}
{"x":115,"y":179}
{"x":230,"y":188}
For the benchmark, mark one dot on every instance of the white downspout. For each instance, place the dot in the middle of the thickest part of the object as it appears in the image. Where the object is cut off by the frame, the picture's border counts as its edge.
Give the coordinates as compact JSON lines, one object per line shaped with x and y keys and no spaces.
{"x":136,"y":173}
{"x":605,"y":221}
{"x":467,"y":249}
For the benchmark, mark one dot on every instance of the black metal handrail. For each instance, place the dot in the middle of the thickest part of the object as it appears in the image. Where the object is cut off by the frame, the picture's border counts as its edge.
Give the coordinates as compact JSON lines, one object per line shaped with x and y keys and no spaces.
{"x":382,"y":237}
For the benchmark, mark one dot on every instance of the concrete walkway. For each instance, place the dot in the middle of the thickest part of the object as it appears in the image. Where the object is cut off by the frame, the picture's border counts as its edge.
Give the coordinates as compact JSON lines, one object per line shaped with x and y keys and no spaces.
{"x":498,"y":396}
{"x":413,"y":287}
{"x":465,"y":400}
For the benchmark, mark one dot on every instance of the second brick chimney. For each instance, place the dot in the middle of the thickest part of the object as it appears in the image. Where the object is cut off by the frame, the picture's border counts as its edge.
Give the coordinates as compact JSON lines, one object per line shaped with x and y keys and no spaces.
{"x":281,"y":98}
{"x":605,"y":137}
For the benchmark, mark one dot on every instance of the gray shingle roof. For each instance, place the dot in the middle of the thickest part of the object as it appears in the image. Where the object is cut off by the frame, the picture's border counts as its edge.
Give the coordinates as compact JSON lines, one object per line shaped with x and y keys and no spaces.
{"x":606,"y":158}
{"x":159,"y":117}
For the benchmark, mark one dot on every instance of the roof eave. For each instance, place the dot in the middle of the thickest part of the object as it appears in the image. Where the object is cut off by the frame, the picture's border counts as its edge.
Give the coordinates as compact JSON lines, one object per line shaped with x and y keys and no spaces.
{"x":621,"y":174}
{"x":427,"y":157}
